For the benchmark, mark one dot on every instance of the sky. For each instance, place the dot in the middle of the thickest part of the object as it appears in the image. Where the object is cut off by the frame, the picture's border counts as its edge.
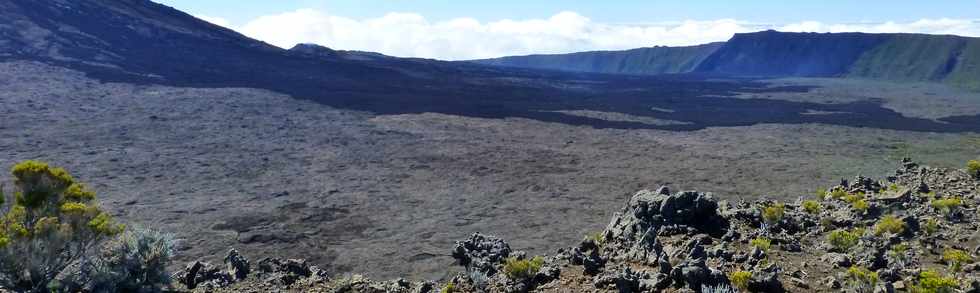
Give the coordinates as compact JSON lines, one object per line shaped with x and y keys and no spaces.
{"x":460,"y":30}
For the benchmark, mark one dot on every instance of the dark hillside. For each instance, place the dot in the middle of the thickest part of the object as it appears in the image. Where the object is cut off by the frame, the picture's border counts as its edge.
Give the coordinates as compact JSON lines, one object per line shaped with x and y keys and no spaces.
{"x":772,"y":53}
{"x":654,"y":60}
{"x":954,"y":60}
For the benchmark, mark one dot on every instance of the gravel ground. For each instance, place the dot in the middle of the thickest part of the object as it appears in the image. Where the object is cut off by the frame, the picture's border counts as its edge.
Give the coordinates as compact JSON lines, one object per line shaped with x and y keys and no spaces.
{"x":357,"y":192}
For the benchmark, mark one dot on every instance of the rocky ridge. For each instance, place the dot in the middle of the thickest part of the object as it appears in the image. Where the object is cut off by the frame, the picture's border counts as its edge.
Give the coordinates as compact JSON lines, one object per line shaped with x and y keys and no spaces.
{"x":915,"y":230}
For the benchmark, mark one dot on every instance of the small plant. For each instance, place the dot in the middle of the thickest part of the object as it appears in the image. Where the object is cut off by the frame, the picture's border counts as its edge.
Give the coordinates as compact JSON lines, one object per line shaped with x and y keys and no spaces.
{"x":761,"y":243}
{"x":851,"y":198}
{"x":774,"y":213}
{"x":821,"y":193}
{"x":812,"y":207}
{"x":522,"y":269}
{"x":136,"y":261}
{"x":973,"y":168}
{"x":842,"y":240}
{"x":955,"y":258}
{"x":861,"y":279}
{"x":720,"y":288}
{"x":899,"y":249}
{"x":893,"y":187}
{"x":931,"y":226}
{"x":891,"y":225}
{"x":449,"y":288}
{"x":599,"y":238}
{"x":897,"y":252}
{"x":932,"y":282}
{"x":860,"y":206}
{"x":946,"y":206}
{"x":740,"y":279}
{"x":838,"y":193}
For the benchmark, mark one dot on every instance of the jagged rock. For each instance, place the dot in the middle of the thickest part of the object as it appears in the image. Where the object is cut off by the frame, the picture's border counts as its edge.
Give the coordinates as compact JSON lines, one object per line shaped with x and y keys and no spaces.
{"x":766,"y":280}
{"x":286,"y":273}
{"x":657,"y":283}
{"x":666,"y":214}
{"x":971,"y":285}
{"x":592,"y":261}
{"x":624,"y":280}
{"x":199,"y":273}
{"x":839,"y":260}
{"x":237,"y":265}
{"x":481,"y":253}
{"x":695,"y":273}
{"x":425,"y":287}
{"x":647,"y":250}
{"x":720,"y":251}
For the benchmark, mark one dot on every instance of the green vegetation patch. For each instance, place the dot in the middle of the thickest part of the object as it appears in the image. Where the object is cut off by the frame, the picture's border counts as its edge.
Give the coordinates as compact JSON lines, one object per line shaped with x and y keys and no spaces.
{"x":889,"y":225}
{"x":522,"y":269}
{"x":933,"y":282}
{"x":842,"y":240}
{"x":740,"y":279}
{"x":774,"y":213}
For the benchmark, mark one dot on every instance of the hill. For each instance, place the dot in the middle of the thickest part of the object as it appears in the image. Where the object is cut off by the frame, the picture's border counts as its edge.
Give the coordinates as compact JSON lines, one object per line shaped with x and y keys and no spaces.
{"x":655,"y":60}
{"x":896,"y":57}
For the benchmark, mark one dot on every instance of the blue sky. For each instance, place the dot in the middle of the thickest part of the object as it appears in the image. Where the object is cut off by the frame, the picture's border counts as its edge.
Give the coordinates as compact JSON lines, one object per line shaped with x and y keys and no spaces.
{"x":628,"y":11}
{"x":456,"y":30}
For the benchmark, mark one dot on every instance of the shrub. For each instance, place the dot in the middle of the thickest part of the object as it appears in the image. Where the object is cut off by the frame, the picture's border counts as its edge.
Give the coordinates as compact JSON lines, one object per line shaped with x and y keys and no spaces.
{"x":893,"y":187}
{"x":838,"y":193}
{"x":931,"y":226}
{"x":932,"y":282}
{"x":852,"y":198}
{"x":812,"y":207}
{"x":860,"y":279}
{"x":890,"y":224}
{"x":53,"y":222}
{"x":774,"y":213}
{"x":955,"y":258}
{"x":599,"y":238}
{"x":842,"y":240}
{"x":136,"y":261}
{"x":946,"y":205}
{"x":899,"y":249}
{"x":861,"y":206}
{"x":821,"y":193}
{"x":740,"y":279}
{"x":449,"y":288}
{"x":761,"y":243}
{"x":897,"y":252}
{"x":522,"y":269}
{"x":973,"y":168}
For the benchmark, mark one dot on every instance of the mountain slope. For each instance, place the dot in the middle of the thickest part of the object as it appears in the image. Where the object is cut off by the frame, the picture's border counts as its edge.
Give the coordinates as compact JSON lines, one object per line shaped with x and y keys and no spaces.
{"x":654,"y":60}
{"x":896,"y":57}
{"x":773,"y":53}
{"x":143,"y":41}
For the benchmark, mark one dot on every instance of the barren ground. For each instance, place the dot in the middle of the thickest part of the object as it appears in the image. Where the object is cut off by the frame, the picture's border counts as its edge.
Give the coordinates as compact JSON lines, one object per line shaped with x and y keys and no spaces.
{"x":388,"y":195}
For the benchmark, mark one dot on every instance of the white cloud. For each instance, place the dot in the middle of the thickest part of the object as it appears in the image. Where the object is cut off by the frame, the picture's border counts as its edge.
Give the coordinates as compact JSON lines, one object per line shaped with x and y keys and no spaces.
{"x":412,"y":35}
{"x":214,"y":20}
{"x":963,"y":27}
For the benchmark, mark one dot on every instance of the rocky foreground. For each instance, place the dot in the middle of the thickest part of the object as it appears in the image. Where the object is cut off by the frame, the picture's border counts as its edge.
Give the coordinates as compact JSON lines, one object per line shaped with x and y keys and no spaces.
{"x":916,"y":231}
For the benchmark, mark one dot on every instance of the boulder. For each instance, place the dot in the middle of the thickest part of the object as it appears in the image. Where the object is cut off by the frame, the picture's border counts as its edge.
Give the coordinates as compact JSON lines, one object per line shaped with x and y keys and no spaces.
{"x":287,"y":272}
{"x":237,"y":265}
{"x":481,"y":253}
{"x":198,"y":274}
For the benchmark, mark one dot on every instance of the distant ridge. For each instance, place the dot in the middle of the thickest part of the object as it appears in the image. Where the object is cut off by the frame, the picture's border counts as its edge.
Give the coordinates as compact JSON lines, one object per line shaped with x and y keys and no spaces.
{"x":897,"y":57}
{"x":653,"y":60}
